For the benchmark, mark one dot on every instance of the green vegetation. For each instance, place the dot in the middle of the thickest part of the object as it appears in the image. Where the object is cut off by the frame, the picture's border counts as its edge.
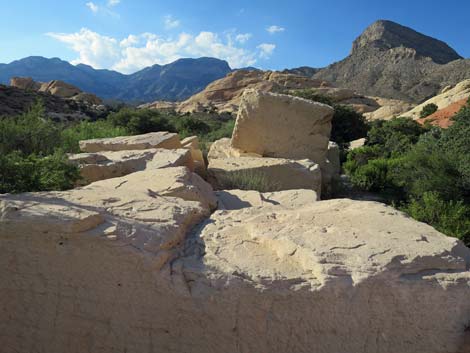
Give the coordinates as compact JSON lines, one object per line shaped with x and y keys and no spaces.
{"x":425,"y":172}
{"x":245,"y":180}
{"x":33,"y":148}
{"x":428,"y":109}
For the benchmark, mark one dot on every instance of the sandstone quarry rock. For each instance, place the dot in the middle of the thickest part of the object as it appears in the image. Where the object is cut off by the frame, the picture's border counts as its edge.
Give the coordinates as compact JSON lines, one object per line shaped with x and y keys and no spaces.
{"x":105,"y":270}
{"x":443,"y":100}
{"x":357,"y":143}
{"x":161,"y":139}
{"x":270,"y":174}
{"x":222,"y":149}
{"x":238,"y":199}
{"x":331,"y":167}
{"x":282,"y":126}
{"x":106,"y":165}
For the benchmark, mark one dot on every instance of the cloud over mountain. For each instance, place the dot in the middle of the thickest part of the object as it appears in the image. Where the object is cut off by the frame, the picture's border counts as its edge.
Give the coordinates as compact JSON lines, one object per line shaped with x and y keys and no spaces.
{"x":141,"y":50}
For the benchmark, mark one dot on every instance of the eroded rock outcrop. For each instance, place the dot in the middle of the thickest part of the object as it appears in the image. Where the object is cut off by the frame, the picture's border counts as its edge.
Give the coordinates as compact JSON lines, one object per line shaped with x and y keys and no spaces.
{"x":105,"y":165}
{"x":56,"y":88}
{"x":113,"y":267}
{"x":448,"y":96}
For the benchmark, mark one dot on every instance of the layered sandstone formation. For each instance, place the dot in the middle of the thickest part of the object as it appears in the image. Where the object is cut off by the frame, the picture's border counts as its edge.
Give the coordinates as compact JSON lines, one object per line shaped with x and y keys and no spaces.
{"x":224,"y":95}
{"x":56,"y":88}
{"x":448,"y":96}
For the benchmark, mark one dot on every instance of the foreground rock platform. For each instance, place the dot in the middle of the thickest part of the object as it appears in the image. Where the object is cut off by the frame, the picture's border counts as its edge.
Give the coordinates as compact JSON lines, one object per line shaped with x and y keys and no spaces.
{"x":137,"y":264}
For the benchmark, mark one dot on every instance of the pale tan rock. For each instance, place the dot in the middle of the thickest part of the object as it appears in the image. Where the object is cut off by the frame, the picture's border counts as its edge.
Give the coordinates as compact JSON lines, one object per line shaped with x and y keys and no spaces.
{"x":150,"y":211}
{"x":357,"y":143}
{"x":106,"y":165}
{"x":161,"y":139}
{"x":191,"y":141}
{"x":224,"y":95}
{"x":388,"y":109}
{"x":443,"y":100}
{"x":166,"y":182}
{"x":60,"y":89}
{"x":160,"y":105}
{"x":222,"y":148}
{"x":282,"y":126}
{"x":340,"y":276}
{"x":270,"y":174}
{"x":238,"y":199}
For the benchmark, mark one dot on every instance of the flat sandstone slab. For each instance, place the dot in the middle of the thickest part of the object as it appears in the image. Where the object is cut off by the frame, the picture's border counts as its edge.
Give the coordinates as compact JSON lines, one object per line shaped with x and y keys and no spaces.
{"x":161,"y":139}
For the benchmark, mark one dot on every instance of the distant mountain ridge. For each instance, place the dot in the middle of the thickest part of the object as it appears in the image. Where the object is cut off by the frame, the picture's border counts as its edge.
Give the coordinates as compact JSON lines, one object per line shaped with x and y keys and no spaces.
{"x":393,"y":61}
{"x":175,"y":81}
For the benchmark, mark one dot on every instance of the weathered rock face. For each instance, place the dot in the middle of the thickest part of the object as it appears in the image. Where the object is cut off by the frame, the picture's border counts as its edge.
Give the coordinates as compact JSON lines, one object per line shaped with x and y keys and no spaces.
{"x":56,"y":88}
{"x":443,"y":117}
{"x":282,"y":126}
{"x":449,"y":96}
{"x":270,"y":174}
{"x":106,"y":269}
{"x":161,"y":139}
{"x":106,"y":165}
{"x":388,"y":109}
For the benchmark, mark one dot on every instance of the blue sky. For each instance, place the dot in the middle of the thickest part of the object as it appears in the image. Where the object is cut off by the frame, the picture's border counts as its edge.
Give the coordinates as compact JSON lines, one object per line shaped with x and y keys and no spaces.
{"x":127,"y":35}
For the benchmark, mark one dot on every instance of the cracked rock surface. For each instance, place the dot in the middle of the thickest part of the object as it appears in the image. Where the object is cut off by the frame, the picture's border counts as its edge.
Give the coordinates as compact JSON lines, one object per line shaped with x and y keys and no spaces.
{"x":138,"y":264}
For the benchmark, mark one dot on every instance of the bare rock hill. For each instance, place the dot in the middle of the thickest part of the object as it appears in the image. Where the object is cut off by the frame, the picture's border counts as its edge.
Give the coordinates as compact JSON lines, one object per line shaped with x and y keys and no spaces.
{"x":393,"y":61}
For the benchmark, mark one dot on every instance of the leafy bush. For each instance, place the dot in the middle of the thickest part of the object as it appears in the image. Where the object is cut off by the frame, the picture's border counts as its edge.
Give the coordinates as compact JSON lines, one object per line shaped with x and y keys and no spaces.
{"x":428,"y":109}
{"x":29,"y":133}
{"x":394,"y":136}
{"x":141,"y":121}
{"x":19,"y":173}
{"x":86,"y":130}
{"x":249,"y":180}
{"x":449,"y":217}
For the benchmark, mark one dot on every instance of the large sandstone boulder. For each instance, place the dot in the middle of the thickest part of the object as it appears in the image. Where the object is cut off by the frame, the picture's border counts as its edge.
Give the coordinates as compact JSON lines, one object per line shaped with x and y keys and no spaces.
{"x":161,"y":139}
{"x":109,"y":269}
{"x":282,"y":126}
{"x":388,"y":109}
{"x":265,"y":174}
{"x":106,"y":165}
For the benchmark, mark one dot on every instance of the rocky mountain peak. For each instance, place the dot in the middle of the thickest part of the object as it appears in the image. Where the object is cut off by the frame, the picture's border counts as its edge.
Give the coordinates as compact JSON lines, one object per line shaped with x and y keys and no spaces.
{"x":385,"y":35}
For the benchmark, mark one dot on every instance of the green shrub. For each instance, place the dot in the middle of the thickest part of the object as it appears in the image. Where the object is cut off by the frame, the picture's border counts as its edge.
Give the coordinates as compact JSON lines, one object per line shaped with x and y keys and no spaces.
{"x":395,"y":136}
{"x":19,"y":173}
{"x":249,"y":180}
{"x":29,"y":133}
{"x":86,"y":130}
{"x":449,"y":217}
{"x":141,"y":121}
{"x":428,"y":109}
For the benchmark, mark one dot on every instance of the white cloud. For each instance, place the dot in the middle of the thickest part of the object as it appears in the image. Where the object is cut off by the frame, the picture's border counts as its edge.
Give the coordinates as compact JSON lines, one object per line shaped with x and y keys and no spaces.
{"x":243,"y":38}
{"x":112,"y":3}
{"x":266,"y":50}
{"x":93,"y":49}
{"x":138,"y":51}
{"x":275,"y":29}
{"x":92,"y":6}
{"x":171,"y":22}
